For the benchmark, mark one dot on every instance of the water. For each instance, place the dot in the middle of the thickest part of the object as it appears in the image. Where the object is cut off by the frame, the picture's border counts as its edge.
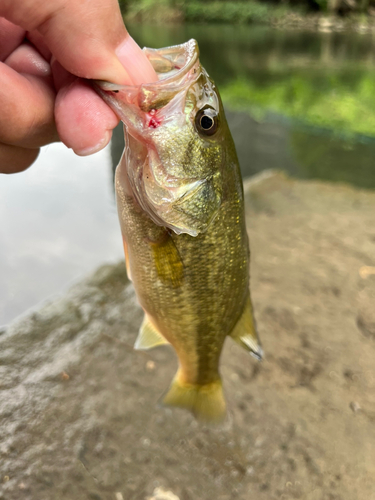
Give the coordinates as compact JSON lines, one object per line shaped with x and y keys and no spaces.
{"x":309,"y":96}
{"x":302,"y":102}
{"x":57,"y":222}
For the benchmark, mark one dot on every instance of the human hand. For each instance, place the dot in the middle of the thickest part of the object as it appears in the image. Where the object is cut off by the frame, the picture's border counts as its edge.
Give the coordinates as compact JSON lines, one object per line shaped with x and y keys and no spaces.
{"x":44,"y":48}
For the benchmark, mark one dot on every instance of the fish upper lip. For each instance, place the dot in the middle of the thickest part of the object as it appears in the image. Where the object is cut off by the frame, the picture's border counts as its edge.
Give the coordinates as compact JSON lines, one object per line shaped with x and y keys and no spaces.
{"x":189,"y":50}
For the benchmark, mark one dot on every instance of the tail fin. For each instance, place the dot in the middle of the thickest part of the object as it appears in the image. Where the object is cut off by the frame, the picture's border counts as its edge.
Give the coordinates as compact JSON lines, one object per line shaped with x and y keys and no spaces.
{"x":206,"y":402}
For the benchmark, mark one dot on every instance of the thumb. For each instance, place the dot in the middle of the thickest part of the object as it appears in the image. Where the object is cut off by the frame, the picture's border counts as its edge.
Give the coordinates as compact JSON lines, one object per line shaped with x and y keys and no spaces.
{"x":87,"y":37}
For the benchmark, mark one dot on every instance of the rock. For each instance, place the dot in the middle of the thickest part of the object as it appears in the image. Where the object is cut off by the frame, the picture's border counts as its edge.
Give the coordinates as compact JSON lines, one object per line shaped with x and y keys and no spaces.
{"x":162,"y":494}
{"x":78,"y":406}
{"x":366,"y":323}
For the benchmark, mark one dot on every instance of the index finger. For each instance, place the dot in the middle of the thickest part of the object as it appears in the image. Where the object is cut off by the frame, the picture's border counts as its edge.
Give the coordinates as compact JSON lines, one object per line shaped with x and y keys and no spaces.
{"x":87,"y":38}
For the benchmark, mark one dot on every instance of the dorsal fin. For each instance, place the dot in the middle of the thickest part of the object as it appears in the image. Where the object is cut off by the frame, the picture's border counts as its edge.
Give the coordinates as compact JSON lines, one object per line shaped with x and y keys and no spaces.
{"x":245,"y":332}
{"x":149,"y":336}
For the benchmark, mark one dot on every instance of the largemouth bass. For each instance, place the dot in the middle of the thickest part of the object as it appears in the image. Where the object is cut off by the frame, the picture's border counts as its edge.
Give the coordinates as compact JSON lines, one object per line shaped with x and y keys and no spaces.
{"x":181,"y":208}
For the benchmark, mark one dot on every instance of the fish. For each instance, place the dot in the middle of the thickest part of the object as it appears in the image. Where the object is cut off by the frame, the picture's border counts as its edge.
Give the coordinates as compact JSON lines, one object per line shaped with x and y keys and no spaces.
{"x":180,"y":203}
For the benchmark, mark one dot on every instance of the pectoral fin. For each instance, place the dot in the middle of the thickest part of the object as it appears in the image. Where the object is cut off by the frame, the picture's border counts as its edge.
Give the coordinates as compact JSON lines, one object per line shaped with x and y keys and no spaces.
{"x":245,"y":332}
{"x":168,"y":262}
{"x":148,"y":336}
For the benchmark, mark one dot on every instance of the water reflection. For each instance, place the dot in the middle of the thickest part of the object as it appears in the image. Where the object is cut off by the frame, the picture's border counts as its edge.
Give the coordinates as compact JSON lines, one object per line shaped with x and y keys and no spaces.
{"x":308,"y":97}
{"x":57,"y":223}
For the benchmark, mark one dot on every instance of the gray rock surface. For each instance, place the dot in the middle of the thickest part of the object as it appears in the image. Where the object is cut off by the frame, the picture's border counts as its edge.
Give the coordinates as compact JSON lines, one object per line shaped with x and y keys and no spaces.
{"x":78,"y":407}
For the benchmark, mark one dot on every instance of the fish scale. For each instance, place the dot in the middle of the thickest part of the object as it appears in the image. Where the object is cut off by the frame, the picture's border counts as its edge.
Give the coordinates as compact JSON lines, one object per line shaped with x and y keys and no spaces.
{"x":181,"y":209}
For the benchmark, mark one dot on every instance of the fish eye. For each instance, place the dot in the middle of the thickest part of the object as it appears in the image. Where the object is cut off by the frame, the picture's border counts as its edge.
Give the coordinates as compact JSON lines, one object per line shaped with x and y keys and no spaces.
{"x":206,"y":121}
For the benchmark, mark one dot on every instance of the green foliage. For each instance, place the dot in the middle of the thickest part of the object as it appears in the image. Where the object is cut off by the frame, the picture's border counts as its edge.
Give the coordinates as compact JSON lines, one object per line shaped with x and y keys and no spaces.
{"x":203,"y":11}
{"x":152,"y":11}
{"x":232,"y":12}
{"x":330,"y":104}
{"x":123,"y":5}
{"x":323,"y":4}
{"x":339,"y":159}
{"x":237,"y":11}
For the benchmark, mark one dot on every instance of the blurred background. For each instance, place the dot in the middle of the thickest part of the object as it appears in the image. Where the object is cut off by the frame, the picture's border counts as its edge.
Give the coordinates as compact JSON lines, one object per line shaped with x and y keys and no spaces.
{"x":297,"y":83}
{"x":78,"y":407}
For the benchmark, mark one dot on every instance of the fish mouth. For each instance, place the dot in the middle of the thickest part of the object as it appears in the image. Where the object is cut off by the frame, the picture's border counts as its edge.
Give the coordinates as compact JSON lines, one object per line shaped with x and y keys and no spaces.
{"x":179,"y":202}
{"x":176,"y":67}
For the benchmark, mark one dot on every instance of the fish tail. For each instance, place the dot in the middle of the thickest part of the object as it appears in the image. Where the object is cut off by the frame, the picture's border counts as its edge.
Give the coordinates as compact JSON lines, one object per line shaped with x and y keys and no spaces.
{"x":206,"y":402}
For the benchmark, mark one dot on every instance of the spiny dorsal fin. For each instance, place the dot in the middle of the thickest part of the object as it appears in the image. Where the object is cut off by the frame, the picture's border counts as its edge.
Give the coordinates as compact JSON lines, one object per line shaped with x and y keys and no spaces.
{"x":245,"y":332}
{"x":149,"y":336}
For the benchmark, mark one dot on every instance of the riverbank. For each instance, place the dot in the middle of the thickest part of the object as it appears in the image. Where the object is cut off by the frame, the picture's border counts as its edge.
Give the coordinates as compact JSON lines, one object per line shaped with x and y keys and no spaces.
{"x":78,"y":407}
{"x":278,"y":16}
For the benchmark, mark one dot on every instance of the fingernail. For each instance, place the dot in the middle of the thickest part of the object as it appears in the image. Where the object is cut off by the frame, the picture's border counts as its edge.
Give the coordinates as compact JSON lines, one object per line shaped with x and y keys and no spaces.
{"x":98,"y":147}
{"x":135,"y":62}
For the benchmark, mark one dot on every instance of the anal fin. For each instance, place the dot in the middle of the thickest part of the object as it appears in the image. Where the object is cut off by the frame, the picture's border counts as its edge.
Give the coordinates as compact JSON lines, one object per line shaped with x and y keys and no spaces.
{"x":245,"y":332}
{"x":149,"y":336}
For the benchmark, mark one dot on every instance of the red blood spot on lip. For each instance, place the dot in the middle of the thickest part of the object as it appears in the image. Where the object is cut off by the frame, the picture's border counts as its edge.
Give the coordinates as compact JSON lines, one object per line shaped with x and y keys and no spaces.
{"x":153,"y":122}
